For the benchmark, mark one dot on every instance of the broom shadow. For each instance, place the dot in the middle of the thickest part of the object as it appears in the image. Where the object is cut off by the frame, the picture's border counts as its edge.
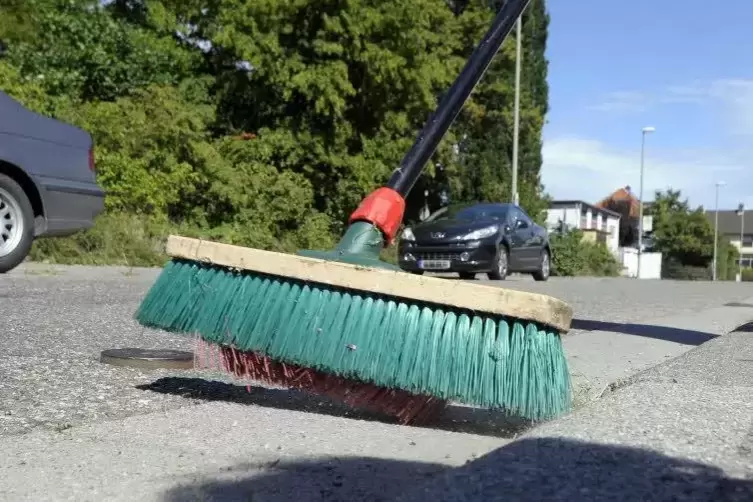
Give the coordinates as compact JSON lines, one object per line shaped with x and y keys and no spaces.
{"x":529,"y":469}
{"x":454,"y":418}
{"x":666,"y":333}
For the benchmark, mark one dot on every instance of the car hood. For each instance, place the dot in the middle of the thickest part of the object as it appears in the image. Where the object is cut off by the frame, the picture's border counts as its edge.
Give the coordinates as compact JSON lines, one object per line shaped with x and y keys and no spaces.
{"x":449,"y":229}
{"x":18,"y":120}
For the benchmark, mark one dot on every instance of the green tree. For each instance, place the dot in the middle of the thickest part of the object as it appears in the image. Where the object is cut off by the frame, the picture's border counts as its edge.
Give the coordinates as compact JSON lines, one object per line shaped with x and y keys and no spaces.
{"x":75,"y":48}
{"x":486,"y":124}
{"x":679,"y":232}
{"x":264,"y":123}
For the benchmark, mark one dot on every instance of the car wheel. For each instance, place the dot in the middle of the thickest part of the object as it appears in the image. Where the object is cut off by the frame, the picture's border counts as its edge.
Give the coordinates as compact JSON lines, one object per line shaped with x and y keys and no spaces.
{"x":545,"y":267}
{"x":16,"y":224}
{"x":467,"y":275}
{"x":500,"y":265}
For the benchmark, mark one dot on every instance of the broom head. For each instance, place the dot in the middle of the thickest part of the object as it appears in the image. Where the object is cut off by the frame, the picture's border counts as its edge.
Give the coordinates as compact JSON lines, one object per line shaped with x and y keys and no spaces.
{"x":372,"y":337}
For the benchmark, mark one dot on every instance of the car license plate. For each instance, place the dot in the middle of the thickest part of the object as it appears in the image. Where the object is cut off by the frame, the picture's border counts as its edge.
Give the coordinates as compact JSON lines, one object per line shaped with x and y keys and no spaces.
{"x":434,"y":264}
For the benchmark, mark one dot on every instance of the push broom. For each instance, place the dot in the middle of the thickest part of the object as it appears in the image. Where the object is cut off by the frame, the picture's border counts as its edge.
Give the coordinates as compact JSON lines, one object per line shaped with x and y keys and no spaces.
{"x":345,"y":324}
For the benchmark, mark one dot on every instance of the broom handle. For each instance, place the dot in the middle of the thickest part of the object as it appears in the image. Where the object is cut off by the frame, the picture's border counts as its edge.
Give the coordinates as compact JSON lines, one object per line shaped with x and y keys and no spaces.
{"x":405,"y":176}
{"x":383,"y":209}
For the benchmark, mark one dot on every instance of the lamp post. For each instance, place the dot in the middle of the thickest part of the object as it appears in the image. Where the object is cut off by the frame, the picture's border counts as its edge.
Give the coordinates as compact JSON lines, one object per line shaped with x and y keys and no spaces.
{"x":646,"y":130}
{"x":516,"y":110}
{"x":741,"y":214}
{"x":716,"y":228}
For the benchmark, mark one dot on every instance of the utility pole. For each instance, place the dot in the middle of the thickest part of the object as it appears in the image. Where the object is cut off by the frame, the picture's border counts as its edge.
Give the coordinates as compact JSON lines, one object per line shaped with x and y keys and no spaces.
{"x":646,"y":130}
{"x":516,"y":110}
{"x":741,"y":214}
{"x":716,"y":229}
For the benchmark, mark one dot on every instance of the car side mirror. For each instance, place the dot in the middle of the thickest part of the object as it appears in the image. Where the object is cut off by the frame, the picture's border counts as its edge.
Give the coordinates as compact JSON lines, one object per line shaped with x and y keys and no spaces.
{"x":520,"y":224}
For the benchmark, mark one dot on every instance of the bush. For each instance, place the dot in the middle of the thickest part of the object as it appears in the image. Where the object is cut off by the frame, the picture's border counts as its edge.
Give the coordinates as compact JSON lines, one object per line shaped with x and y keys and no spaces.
{"x":115,"y":239}
{"x":572,"y":256}
{"x":389,"y":254}
{"x":726,"y":261}
{"x":726,"y":265}
{"x":748,"y":274}
{"x":139,"y":241}
{"x":673,"y":269}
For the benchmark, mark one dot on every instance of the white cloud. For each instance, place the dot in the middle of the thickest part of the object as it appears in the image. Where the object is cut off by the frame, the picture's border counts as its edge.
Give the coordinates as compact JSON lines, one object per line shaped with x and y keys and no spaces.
{"x":735,"y":98}
{"x":586,"y":169}
{"x":730,"y":98}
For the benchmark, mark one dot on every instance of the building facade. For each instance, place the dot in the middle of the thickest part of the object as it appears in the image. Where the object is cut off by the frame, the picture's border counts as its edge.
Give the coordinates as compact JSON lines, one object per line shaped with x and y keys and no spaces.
{"x":738,"y":228}
{"x":596,"y":223}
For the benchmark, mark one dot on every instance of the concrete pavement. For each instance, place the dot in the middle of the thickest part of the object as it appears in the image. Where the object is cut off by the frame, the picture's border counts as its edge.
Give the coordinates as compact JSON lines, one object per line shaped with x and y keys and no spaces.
{"x":682,"y":431}
{"x":613,"y":352}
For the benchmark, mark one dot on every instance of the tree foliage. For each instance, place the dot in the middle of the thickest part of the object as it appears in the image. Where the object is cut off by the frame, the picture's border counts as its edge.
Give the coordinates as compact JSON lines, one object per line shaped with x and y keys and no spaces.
{"x":685,"y":237}
{"x":265,"y":122}
{"x":485,"y":129}
{"x":679,"y":232}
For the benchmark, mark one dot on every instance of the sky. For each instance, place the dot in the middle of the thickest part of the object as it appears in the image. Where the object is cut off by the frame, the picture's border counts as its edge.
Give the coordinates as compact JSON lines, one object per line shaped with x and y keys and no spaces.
{"x":680,"y":66}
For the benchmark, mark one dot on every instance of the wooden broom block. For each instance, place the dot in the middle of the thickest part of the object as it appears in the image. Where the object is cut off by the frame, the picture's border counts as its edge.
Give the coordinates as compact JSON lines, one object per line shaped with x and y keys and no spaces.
{"x":539,"y":308}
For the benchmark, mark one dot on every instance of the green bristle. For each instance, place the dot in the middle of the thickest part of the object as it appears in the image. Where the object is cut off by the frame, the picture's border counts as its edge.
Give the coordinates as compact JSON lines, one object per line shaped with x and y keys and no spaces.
{"x":484,"y":360}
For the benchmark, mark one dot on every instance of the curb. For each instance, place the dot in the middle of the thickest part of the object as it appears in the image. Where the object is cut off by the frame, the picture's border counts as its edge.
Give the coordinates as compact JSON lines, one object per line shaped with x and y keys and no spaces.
{"x":604,"y":361}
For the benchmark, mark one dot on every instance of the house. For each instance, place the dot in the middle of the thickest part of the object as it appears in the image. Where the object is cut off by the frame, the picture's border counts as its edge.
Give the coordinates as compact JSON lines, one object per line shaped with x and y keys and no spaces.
{"x":622,"y":195}
{"x":730,"y":226}
{"x":626,"y":203}
{"x":597,"y":223}
{"x":625,"y":195}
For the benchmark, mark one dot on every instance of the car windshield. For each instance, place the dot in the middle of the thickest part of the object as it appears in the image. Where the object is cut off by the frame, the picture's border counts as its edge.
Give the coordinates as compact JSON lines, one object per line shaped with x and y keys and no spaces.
{"x":477,"y":212}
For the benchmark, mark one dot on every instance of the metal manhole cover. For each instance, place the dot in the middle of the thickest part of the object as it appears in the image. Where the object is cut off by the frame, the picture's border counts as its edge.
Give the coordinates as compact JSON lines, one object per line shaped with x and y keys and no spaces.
{"x":148,"y":358}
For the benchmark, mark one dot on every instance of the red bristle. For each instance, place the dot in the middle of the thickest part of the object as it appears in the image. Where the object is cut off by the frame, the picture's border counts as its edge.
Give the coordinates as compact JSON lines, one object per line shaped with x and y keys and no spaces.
{"x":406,"y":407}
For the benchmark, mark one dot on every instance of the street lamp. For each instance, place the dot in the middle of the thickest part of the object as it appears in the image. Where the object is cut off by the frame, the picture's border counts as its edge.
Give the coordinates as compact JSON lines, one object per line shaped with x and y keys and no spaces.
{"x":741,"y":214}
{"x":644,"y":131}
{"x":716,"y":227}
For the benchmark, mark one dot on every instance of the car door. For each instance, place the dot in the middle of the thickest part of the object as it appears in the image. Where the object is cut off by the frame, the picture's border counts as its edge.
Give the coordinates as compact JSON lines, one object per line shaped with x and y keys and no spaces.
{"x":525,"y":237}
{"x":516,"y":240}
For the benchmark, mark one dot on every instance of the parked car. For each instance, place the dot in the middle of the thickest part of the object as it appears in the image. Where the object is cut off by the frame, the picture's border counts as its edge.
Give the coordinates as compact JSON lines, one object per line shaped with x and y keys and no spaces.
{"x":48,"y":183}
{"x":496,"y":239}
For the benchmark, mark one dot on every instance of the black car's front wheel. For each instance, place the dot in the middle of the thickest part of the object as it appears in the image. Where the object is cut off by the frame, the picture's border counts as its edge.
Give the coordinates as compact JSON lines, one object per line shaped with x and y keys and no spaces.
{"x":501,"y":264}
{"x":545,"y":267}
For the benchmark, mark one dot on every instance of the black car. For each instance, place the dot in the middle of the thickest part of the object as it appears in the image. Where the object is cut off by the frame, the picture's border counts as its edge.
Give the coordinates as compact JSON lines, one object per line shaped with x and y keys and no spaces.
{"x":495,"y":239}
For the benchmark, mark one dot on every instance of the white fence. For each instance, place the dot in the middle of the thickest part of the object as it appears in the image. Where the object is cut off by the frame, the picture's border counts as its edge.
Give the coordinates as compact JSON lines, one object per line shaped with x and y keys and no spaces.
{"x":650,"y":264}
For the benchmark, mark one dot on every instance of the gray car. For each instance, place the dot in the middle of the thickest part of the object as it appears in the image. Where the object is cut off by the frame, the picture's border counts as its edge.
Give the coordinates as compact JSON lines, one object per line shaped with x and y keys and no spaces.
{"x":48,"y":184}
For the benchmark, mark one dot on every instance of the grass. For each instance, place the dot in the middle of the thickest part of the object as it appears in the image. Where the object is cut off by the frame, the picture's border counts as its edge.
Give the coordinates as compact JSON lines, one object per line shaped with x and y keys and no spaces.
{"x":115,"y":239}
{"x":46,"y":271}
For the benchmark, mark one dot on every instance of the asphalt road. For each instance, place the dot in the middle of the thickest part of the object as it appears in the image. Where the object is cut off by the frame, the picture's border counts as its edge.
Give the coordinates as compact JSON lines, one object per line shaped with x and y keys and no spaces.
{"x":65,"y":415}
{"x":58,"y":319}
